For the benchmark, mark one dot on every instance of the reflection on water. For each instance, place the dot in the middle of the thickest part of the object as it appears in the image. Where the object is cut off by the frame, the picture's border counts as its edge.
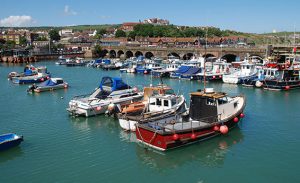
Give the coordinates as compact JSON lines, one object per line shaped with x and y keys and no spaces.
{"x":127,"y":136}
{"x":10,"y":154}
{"x":210,"y":153}
{"x":87,"y":124}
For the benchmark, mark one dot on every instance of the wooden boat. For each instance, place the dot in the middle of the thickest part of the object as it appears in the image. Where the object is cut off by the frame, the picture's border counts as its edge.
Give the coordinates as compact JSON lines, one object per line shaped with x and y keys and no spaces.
{"x":9,"y":140}
{"x":159,"y":102}
{"x":49,"y":85}
{"x":210,"y":114}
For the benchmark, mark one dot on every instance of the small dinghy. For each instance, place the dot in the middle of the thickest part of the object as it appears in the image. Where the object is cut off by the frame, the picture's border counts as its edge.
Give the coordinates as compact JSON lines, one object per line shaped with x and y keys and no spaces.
{"x":49,"y":85}
{"x":9,"y":140}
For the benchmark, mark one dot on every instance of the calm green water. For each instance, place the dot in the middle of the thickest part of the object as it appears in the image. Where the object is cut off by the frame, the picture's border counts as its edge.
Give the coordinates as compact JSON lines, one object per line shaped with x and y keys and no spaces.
{"x":59,"y":148}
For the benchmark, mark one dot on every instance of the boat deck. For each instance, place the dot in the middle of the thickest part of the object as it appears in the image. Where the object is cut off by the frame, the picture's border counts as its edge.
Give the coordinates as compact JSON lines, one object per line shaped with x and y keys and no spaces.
{"x":185,"y":125}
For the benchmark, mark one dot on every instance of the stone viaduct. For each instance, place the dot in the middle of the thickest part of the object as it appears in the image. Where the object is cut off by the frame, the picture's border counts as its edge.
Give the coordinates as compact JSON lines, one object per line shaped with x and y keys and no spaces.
{"x":228,"y":53}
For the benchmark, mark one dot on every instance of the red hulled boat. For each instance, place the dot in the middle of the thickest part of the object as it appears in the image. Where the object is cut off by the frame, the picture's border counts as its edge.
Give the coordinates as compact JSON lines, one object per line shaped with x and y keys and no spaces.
{"x":210,"y":114}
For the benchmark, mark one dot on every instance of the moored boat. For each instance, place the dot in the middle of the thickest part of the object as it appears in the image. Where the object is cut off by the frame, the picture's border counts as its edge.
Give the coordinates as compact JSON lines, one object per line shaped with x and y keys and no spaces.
{"x":158,"y":101}
{"x":112,"y":91}
{"x":247,"y":71}
{"x":41,"y":76}
{"x":49,"y":85}
{"x":9,"y":140}
{"x":210,"y":114}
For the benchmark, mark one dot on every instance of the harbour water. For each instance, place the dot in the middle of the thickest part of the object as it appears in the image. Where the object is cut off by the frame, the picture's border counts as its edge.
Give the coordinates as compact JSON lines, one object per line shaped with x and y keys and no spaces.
{"x":60,"y":148}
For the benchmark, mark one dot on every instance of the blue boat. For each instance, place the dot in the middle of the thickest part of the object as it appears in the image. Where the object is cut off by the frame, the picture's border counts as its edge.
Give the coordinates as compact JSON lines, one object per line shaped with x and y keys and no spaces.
{"x":182,"y":69}
{"x":191,"y":73}
{"x":9,"y":140}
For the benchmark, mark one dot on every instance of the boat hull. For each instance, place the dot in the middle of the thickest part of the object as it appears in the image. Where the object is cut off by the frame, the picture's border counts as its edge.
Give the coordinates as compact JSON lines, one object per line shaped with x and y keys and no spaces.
{"x":165,"y":141}
{"x":280,"y":85}
{"x":10,"y":143}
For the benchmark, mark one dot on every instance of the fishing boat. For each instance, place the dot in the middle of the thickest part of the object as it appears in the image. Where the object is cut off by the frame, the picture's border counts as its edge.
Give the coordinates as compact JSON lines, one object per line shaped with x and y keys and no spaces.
{"x":9,"y":140}
{"x":49,"y":85}
{"x":263,"y":74}
{"x":247,"y":71}
{"x":284,"y":80}
{"x":28,"y":71}
{"x":159,"y":101}
{"x":76,"y":62}
{"x":41,"y":76}
{"x":210,"y":114}
{"x":112,"y":91}
{"x":219,"y":68}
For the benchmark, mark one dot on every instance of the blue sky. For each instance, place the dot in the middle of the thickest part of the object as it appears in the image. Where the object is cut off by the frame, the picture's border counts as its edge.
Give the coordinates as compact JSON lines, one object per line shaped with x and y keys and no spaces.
{"x":257,"y":16}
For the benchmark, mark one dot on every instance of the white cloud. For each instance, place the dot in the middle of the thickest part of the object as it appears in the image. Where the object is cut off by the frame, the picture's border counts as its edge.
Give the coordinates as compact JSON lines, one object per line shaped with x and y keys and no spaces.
{"x":16,"y":21}
{"x":68,"y":11}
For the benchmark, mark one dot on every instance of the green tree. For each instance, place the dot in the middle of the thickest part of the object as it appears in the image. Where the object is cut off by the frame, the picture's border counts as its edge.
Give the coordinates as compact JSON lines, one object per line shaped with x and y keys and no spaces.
{"x":120,"y":33}
{"x":97,"y":50}
{"x":23,"y":41}
{"x":54,"y":35}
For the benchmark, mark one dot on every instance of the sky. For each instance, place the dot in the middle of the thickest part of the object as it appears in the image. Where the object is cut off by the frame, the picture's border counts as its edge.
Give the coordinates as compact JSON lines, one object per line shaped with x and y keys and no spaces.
{"x":253,"y":16}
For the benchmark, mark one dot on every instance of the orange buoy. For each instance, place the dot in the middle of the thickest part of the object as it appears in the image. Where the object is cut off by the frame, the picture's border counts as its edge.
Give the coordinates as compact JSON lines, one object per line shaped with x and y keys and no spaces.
{"x":224,"y":129}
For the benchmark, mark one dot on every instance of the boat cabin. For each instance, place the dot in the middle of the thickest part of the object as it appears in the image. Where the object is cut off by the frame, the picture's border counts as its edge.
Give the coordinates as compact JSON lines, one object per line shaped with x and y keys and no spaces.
{"x":289,"y":75}
{"x":207,"y":106}
{"x":221,"y":67}
{"x":247,"y":68}
{"x":162,"y":102}
{"x":269,"y":73}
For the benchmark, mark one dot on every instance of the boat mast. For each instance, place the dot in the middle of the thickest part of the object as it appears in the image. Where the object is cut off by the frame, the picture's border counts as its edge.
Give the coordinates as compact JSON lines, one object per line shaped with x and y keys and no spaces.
{"x":204,"y":73}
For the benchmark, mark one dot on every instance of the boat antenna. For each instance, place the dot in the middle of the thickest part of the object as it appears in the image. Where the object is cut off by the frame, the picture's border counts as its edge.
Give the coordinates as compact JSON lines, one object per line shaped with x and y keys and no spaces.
{"x":204,"y":74}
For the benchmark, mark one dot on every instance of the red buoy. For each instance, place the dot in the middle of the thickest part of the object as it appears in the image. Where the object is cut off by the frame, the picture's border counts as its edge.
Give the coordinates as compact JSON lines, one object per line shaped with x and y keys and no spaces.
{"x":216,"y":128}
{"x":224,"y":129}
{"x":287,"y":87}
{"x":145,"y":72}
{"x":48,"y":77}
{"x":236,"y":119}
{"x":66,"y":86}
{"x":175,"y":136}
{"x":214,"y":77}
{"x":220,"y":76}
{"x":193,"y":136}
{"x":242,"y":115}
{"x":98,"y":108}
{"x":42,"y":79}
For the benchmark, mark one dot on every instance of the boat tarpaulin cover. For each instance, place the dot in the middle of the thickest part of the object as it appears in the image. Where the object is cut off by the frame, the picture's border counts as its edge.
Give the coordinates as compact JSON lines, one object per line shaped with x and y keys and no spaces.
{"x":193,"y":70}
{"x":114,"y":83}
{"x":48,"y":83}
{"x":183,"y":69}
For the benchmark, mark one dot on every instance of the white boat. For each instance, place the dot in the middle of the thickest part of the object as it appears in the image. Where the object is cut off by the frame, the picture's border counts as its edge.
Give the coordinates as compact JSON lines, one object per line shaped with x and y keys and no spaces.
{"x":49,"y":85}
{"x":159,"y":102}
{"x":247,"y":71}
{"x":112,"y":91}
{"x":219,"y":68}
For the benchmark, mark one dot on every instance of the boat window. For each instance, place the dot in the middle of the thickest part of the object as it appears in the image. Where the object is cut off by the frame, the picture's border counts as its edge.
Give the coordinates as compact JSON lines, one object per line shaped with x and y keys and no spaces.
{"x":248,"y":67}
{"x":158,"y":101}
{"x":169,"y":92}
{"x":222,"y":100}
{"x":59,"y":81}
{"x":173,"y":101}
{"x":210,"y":101}
{"x":166,"y":103}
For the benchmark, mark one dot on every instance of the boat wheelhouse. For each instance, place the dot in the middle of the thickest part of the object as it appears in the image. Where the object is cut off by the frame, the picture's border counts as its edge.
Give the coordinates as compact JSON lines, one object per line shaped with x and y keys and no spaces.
{"x":247,"y":71}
